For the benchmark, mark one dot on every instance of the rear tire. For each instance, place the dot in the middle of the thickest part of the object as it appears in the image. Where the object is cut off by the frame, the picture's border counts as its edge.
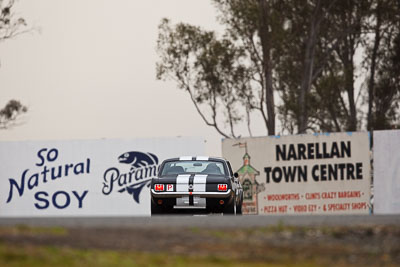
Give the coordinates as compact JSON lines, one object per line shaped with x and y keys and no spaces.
{"x":239,"y":206}
{"x":156,"y":209}
{"x":239,"y":209}
{"x":231,"y":209}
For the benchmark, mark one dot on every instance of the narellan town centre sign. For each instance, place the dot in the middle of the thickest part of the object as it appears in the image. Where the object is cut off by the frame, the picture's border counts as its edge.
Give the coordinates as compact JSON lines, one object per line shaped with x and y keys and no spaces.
{"x":313,"y":152}
{"x":304,"y":174}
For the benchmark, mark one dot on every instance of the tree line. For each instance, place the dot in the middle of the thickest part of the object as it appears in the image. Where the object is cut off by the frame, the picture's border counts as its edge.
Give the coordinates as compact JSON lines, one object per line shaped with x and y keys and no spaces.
{"x":312,"y":65}
{"x":10,"y":26}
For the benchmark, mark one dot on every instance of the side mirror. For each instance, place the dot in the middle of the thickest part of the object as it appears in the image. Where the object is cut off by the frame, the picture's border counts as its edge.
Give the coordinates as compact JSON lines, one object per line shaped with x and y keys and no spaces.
{"x":236,"y":175}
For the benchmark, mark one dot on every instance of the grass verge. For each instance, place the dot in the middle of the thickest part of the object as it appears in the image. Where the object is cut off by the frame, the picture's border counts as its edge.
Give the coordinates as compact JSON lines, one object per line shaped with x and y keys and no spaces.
{"x":41,"y":256}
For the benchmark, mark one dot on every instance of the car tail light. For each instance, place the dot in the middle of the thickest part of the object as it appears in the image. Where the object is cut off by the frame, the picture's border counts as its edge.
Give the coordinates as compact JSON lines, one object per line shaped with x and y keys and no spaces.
{"x":222,"y":187}
{"x":159,"y":187}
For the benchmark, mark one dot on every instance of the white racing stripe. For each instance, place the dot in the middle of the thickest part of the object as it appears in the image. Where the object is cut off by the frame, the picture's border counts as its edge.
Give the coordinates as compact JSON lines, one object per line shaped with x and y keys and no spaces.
{"x":185,"y":158}
{"x":199,"y":183}
{"x":182,"y":183}
{"x":201,"y":158}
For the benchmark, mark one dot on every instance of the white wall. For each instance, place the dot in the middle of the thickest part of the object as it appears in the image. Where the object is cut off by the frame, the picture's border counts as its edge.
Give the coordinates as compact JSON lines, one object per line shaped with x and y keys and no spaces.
{"x":92,"y":174}
{"x":387,"y":172}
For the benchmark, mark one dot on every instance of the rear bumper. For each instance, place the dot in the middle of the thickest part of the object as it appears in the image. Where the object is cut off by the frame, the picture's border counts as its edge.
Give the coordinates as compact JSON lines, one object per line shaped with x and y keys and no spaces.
{"x":196,"y":194}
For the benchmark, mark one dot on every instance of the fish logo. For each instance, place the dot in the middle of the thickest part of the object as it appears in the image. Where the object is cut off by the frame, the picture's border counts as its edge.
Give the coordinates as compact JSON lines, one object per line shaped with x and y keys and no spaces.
{"x":143,"y":167}
{"x":138,"y":159}
{"x":136,"y":189}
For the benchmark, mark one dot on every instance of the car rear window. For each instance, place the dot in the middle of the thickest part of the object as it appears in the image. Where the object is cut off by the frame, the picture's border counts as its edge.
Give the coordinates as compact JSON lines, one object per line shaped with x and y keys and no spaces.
{"x":198,"y":167}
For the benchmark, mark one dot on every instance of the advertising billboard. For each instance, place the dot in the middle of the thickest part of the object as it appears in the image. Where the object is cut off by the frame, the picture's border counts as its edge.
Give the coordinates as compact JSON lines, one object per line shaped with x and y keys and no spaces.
{"x":84,"y":177}
{"x":303,"y":174}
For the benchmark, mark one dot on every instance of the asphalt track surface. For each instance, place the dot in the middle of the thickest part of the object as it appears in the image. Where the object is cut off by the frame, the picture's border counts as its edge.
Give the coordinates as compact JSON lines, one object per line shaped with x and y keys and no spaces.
{"x":207,"y":221}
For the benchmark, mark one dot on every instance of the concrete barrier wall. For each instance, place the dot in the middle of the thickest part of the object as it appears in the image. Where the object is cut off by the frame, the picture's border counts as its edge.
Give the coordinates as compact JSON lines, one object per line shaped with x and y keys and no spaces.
{"x":301,"y":174}
{"x":84,"y":178}
{"x":386,"y":172}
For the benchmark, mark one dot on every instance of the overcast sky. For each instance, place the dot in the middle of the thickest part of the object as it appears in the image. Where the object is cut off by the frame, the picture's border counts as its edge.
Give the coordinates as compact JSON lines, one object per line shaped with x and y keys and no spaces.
{"x":90,"y":71}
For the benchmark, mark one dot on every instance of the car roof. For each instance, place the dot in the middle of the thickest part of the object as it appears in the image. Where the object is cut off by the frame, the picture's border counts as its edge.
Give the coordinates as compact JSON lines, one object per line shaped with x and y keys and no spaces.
{"x":196,"y":158}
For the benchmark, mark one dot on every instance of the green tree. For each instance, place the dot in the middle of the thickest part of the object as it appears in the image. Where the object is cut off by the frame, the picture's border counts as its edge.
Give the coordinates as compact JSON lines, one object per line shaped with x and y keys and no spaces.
{"x":10,"y":26}
{"x":228,"y":78}
{"x":305,"y":52}
{"x":10,"y":112}
{"x":368,"y":28}
{"x":319,"y":72}
{"x":382,"y":61}
{"x":336,"y":98}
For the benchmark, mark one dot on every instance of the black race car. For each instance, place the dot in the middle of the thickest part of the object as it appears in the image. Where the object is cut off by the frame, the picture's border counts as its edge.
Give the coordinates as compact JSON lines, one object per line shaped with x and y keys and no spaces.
{"x":196,"y":183}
